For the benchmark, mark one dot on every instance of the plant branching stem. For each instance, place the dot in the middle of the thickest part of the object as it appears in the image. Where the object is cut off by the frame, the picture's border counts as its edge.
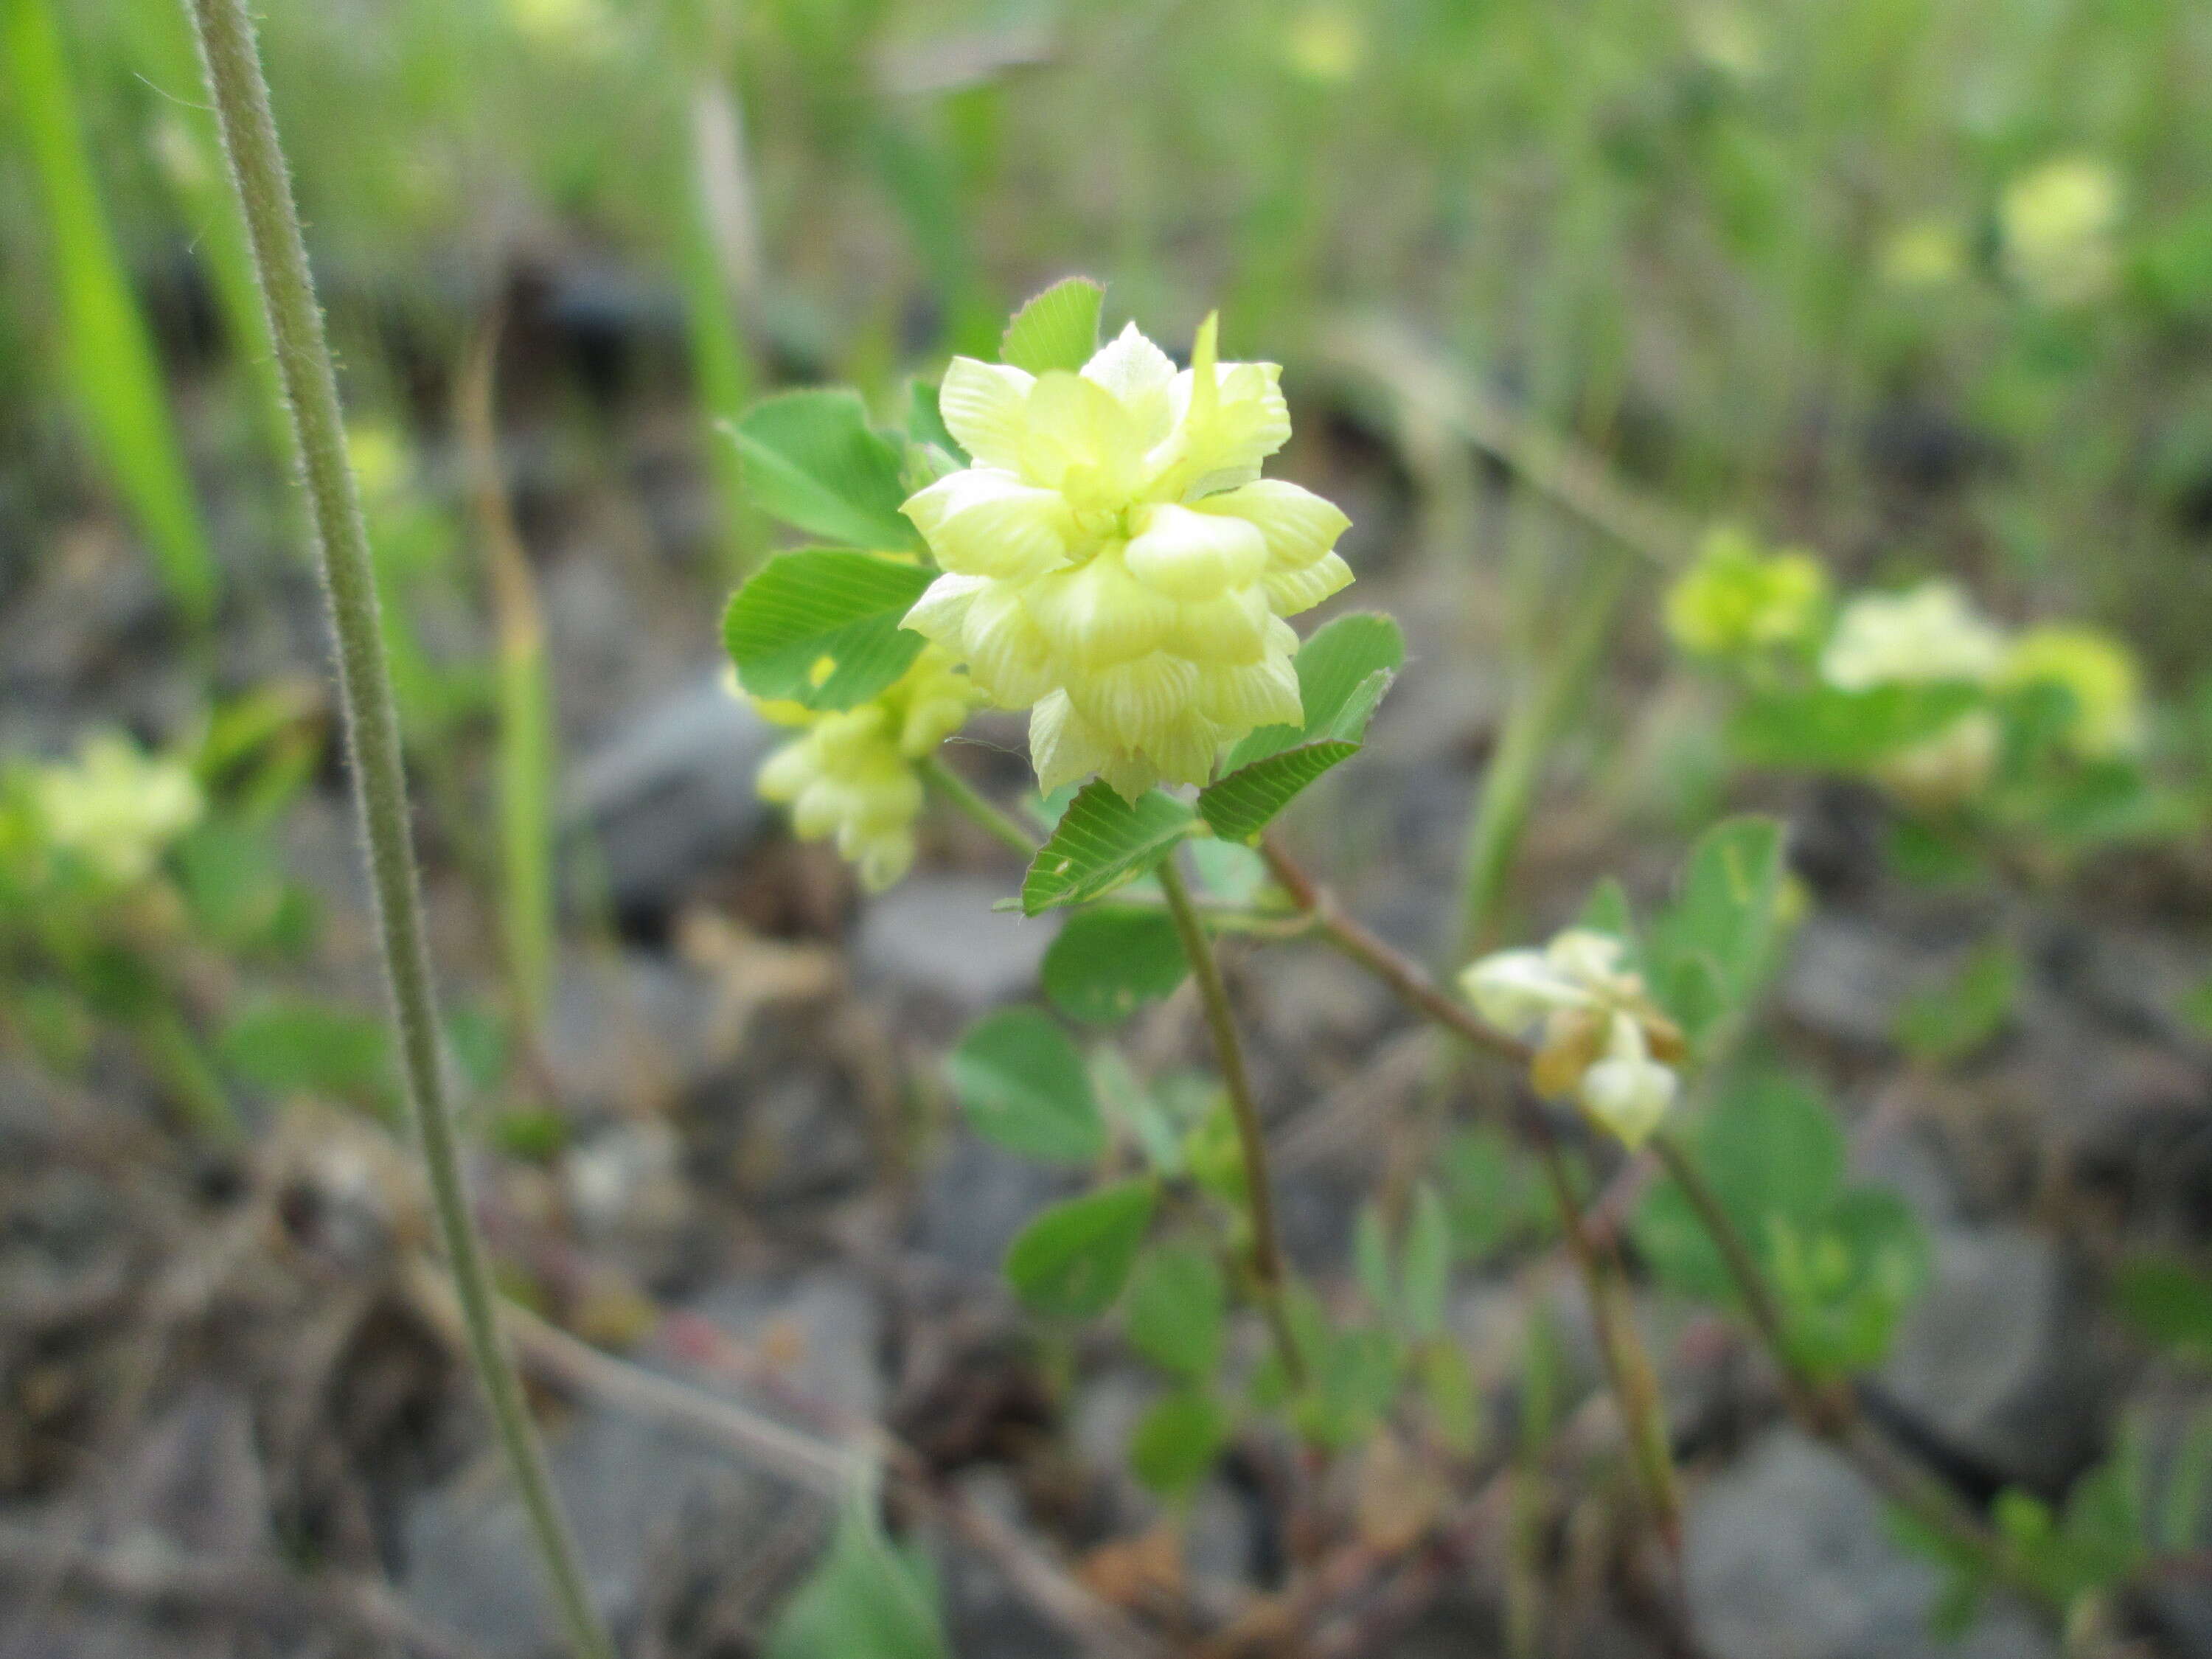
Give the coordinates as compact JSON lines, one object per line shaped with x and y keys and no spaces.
{"x":1221,"y":1020}
{"x":1002,"y":827}
{"x":1829,"y":1415}
{"x":232,"y":64}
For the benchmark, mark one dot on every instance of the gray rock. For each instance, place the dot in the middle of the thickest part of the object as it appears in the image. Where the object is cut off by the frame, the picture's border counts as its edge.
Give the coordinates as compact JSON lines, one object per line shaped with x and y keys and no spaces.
{"x":975,"y":1198}
{"x":938,"y":936}
{"x":667,"y":797}
{"x":1787,"y":1556}
{"x":828,"y":1322}
{"x":1998,"y":1357}
{"x":1847,"y":978}
{"x":629,"y":1031}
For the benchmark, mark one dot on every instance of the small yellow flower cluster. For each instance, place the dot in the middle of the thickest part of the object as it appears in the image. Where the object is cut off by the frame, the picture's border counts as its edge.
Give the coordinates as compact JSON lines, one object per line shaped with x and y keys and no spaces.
{"x":116,"y":808}
{"x":2057,"y":224}
{"x":1735,"y":600}
{"x":1928,"y":636}
{"x":851,"y":774}
{"x":2097,"y":672}
{"x":1113,"y":560}
{"x":1602,"y":1038}
{"x":1933,"y":634}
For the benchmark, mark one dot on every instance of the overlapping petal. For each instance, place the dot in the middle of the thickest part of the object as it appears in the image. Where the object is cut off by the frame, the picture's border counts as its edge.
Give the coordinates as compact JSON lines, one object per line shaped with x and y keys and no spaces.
{"x":1114,"y":562}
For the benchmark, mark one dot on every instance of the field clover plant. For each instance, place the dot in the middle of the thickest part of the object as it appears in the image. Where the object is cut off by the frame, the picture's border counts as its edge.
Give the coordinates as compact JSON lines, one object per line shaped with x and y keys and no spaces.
{"x":1083,"y":531}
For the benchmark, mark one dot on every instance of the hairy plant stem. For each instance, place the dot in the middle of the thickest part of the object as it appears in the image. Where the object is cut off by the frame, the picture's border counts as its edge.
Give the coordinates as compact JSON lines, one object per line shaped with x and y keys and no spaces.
{"x":1268,"y":1270}
{"x":231,"y":62}
{"x":956,"y":790}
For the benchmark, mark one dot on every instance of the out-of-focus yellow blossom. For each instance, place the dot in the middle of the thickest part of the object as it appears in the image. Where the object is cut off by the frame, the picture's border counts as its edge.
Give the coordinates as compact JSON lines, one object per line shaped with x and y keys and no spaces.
{"x":1929,"y":634}
{"x":1927,"y":253}
{"x":1735,"y":599}
{"x":1602,"y":1040}
{"x":581,"y":26}
{"x":2057,"y":224}
{"x":381,"y":462}
{"x":1945,"y":770}
{"x":2098,"y":671}
{"x":851,"y":774}
{"x":1327,"y":43}
{"x":1115,"y":560}
{"x":116,"y":808}
{"x":1729,"y":37}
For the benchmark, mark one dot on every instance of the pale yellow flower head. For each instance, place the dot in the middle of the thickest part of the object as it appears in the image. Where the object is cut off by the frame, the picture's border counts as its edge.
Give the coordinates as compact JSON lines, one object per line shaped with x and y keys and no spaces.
{"x":1113,"y":560}
{"x":1946,"y":769}
{"x":1926,"y":253}
{"x":1735,"y":599}
{"x":2098,"y":671}
{"x":1327,"y":44}
{"x":116,"y":808}
{"x":1930,"y":634}
{"x":2057,"y":224}
{"x":851,"y":774}
{"x":1601,"y":1037}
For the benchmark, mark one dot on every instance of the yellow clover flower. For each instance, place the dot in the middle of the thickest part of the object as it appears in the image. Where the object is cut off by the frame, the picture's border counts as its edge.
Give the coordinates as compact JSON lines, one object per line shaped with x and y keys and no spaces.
{"x":1930,"y":634}
{"x":2101,"y":674}
{"x":1927,"y":636}
{"x":116,"y":808}
{"x":1735,"y":599}
{"x":2057,"y":223}
{"x":850,"y":774}
{"x":1114,"y":560}
{"x":1602,"y":1038}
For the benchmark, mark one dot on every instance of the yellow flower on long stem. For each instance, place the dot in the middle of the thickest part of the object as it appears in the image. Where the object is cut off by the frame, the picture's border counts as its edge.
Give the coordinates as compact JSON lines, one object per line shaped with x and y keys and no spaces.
{"x":1113,"y":560}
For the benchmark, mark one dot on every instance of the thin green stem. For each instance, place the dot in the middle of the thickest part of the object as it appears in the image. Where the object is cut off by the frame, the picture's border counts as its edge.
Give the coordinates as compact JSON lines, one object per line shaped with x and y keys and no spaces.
{"x":961,"y":793}
{"x":232,"y":63}
{"x":1268,"y":1269}
{"x":1509,"y":786}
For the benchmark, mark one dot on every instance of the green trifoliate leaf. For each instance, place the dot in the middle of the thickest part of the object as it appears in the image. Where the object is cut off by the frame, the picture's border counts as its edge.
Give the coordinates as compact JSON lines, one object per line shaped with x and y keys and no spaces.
{"x":1178,"y":1310}
{"x":1100,"y":841}
{"x":1072,"y":1259}
{"x":820,"y":627}
{"x":1708,"y":952}
{"x":1337,"y":685}
{"x":1023,"y":1085}
{"x":1245,"y":802}
{"x":1057,"y":328}
{"x":1176,"y":1441}
{"x":1107,"y":962}
{"x":812,"y":460}
{"x":1344,"y":671}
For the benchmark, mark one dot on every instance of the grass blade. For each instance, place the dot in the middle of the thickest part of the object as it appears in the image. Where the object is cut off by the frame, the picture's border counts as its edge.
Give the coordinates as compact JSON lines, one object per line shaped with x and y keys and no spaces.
{"x":109,"y":348}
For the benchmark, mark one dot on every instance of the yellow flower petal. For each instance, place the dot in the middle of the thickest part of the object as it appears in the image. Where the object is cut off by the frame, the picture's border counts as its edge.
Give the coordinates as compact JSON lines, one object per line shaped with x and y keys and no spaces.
{"x":1136,"y":704}
{"x":1297,"y":526}
{"x":1293,"y":590}
{"x":1195,"y":556}
{"x":980,"y":522}
{"x":1140,"y":375}
{"x":1099,"y":615}
{"x":983,"y":405}
{"x":1063,"y":748}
